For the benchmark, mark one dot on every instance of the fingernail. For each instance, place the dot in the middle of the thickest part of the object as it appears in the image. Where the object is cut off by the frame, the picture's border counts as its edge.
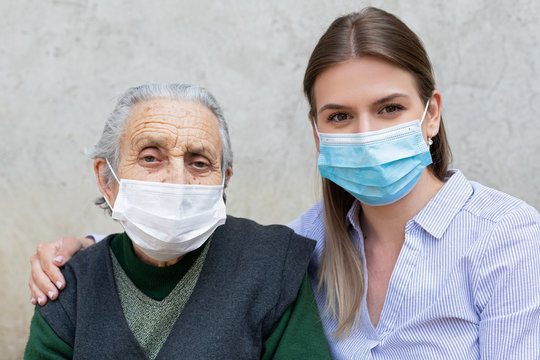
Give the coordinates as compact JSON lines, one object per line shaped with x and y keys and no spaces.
{"x":33,"y":301}
{"x":59,"y":284}
{"x":39,"y":300}
{"x":50,"y":293}
{"x":59,"y":259}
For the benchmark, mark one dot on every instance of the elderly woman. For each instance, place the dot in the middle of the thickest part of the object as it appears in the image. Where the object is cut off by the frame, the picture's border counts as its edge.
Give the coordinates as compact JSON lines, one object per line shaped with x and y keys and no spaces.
{"x":184,"y":279}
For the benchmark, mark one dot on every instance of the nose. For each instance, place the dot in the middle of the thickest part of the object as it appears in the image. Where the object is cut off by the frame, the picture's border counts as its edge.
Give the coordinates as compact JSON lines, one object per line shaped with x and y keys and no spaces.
{"x":363,"y":124}
{"x":177,"y":173}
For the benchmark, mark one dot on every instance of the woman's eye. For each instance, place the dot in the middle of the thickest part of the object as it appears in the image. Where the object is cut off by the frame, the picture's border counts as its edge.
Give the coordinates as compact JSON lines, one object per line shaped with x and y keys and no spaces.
{"x":149,"y":158}
{"x":338,"y":117}
{"x":392,"y":108}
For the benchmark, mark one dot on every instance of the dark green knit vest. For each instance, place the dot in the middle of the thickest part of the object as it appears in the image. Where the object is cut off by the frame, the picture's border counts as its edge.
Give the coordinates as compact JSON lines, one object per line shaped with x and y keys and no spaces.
{"x":251,"y":274}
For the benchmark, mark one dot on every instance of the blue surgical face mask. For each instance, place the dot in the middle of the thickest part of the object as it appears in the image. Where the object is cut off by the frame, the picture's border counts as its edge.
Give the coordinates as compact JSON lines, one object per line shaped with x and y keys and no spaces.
{"x":376,"y":167}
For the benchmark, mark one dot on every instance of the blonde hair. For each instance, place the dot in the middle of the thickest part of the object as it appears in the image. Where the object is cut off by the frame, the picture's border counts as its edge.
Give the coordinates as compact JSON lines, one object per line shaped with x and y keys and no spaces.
{"x":372,"y":32}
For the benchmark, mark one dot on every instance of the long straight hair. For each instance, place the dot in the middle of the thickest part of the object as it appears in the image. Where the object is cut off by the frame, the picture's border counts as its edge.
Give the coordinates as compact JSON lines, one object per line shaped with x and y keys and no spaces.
{"x":371,"y":32}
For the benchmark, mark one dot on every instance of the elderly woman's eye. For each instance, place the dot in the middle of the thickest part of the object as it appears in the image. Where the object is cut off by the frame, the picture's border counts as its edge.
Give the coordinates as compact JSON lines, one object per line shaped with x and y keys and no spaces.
{"x":339,"y":117}
{"x":149,"y":158}
{"x":199,"y":164}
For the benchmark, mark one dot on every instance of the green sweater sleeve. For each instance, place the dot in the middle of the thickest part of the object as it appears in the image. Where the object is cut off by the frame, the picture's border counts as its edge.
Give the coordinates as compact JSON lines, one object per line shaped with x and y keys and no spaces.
{"x":43,"y":342}
{"x":299,"y":333}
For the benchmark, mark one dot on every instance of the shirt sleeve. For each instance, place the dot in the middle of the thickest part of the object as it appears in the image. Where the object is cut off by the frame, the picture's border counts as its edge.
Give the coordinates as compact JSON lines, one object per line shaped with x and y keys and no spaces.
{"x":43,"y":342}
{"x":508,"y":290}
{"x":299,"y":333}
{"x":96,"y":237}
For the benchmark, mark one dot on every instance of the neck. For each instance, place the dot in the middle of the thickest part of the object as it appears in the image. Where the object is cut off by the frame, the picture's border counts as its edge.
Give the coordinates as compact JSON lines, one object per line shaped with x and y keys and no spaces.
{"x":150,"y":261}
{"x":387,"y":223}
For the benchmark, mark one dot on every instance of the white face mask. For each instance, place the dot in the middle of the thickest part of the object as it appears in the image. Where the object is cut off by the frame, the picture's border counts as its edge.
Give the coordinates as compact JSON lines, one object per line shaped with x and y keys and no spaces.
{"x":167,"y":220}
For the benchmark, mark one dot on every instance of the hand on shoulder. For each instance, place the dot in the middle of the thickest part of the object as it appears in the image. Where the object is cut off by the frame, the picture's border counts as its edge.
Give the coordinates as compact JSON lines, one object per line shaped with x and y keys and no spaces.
{"x":45,"y":276}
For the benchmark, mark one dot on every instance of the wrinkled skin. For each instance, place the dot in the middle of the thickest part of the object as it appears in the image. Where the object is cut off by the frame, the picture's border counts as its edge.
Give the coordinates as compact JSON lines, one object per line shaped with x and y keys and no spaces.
{"x":164,"y":141}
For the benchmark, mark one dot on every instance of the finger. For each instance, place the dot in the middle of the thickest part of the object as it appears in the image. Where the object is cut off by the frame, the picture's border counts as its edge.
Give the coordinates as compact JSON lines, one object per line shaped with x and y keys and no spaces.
{"x":37,"y":296}
{"x":66,"y":248}
{"x":40,"y":284}
{"x":48,"y":263}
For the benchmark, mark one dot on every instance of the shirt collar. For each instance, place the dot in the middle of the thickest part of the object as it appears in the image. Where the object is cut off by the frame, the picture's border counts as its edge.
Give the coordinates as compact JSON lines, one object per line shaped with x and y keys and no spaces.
{"x":353,"y":217}
{"x":439,"y":212}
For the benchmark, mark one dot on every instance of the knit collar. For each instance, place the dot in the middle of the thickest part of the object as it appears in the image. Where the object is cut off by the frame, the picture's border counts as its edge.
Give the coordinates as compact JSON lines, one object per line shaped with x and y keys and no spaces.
{"x":155,"y":282}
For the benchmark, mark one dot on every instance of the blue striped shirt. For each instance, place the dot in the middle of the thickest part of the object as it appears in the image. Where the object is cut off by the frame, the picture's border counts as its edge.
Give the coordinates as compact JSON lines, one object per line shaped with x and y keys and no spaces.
{"x":465,"y":286}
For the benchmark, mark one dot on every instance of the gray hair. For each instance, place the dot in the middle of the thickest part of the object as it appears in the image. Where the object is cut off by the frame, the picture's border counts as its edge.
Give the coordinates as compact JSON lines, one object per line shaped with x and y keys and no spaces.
{"x":108,"y":146}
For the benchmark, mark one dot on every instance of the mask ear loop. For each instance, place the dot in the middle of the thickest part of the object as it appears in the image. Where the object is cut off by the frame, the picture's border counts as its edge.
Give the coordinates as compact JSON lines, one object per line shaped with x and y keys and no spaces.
{"x":316,"y":128}
{"x":224,"y":178}
{"x":425,"y":112}
{"x":429,"y":141}
{"x":118,"y":181}
{"x":110,"y":167}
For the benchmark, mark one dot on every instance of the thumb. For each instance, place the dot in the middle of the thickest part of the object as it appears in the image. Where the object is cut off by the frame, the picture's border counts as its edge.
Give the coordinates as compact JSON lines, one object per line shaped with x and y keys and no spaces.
{"x":66,"y":247}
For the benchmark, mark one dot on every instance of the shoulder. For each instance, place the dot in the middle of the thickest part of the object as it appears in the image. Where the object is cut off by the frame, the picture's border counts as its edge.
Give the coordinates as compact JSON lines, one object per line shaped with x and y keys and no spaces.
{"x":247,"y":226}
{"x":503,"y":216}
{"x":251,"y":233}
{"x":61,"y":314}
{"x":85,"y":258}
{"x":494,"y":205}
{"x":490,"y":218}
{"x":311,"y":223}
{"x":81,"y":265}
{"x":272,"y":255}
{"x":474,"y":213}
{"x":508,"y":257}
{"x":275,"y":248}
{"x":508,"y":236}
{"x":247,"y":241}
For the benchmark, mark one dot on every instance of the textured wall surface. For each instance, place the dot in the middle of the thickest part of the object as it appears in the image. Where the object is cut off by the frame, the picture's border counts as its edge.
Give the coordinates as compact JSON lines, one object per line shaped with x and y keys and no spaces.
{"x":64,"y":62}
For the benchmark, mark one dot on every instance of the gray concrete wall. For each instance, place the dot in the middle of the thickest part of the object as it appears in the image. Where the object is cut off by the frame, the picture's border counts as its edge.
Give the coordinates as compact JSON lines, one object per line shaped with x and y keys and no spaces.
{"x":64,"y":62}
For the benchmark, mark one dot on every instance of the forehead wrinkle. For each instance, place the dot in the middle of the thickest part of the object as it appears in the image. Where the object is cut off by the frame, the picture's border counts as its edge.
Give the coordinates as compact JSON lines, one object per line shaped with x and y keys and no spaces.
{"x":170,"y":108}
{"x":175,"y":137}
{"x":200,"y":131}
{"x":160,"y":118}
{"x":152,"y":135}
{"x":152,"y":109}
{"x":188,"y":122}
{"x":176,"y":128}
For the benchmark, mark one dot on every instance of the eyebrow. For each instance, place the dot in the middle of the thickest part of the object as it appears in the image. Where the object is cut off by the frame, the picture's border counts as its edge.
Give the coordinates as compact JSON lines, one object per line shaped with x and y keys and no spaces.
{"x":145,"y":141}
{"x":390,"y":97}
{"x":377,"y":102}
{"x":191,"y":147}
{"x":332,"y":107}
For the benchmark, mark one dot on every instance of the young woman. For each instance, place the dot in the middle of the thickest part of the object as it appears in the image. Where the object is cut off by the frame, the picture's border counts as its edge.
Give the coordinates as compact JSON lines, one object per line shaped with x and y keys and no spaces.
{"x":412,"y":259}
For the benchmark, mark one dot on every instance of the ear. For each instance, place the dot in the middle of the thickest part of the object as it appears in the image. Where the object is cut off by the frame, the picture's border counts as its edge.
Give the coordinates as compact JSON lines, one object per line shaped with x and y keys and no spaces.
{"x":315,"y":135}
{"x":108,"y":191}
{"x":433,"y":116}
{"x":228,"y":174}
